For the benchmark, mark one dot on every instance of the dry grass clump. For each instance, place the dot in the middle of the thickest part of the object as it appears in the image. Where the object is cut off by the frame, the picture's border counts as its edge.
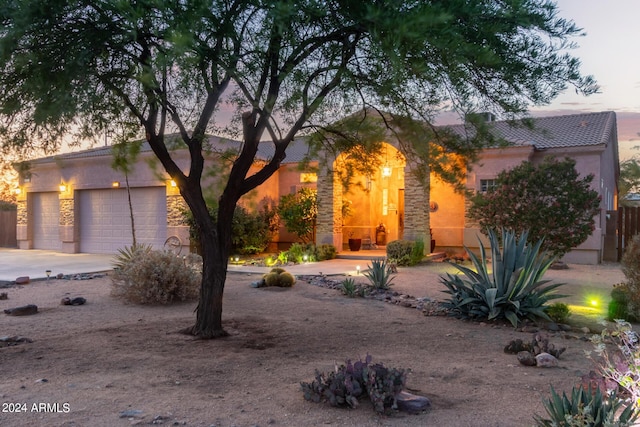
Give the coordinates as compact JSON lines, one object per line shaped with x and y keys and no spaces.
{"x":155,"y":277}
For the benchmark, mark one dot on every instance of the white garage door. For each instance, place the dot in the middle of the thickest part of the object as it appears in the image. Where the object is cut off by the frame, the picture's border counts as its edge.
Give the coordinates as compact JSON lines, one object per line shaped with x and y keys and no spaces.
{"x":46,"y":220}
{"x":105,"y":220}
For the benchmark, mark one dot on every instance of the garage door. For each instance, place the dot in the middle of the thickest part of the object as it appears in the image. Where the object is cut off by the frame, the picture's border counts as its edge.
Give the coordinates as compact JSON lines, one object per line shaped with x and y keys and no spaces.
{"x":46,"y":220}
{"x":105,"y":221}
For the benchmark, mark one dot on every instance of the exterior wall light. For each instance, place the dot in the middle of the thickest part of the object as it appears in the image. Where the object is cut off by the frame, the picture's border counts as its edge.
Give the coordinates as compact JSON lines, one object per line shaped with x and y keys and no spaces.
{"x":62,"y":188}
{"x":173,"y":183}
{"x":386,"y":171}
{"x":115,"y":184}
{"x":18,"y":190}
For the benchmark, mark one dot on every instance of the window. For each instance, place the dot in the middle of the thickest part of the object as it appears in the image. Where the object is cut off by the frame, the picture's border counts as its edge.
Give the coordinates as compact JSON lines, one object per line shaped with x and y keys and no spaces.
{"x":487,"y":184}
{"x":308,"y":177}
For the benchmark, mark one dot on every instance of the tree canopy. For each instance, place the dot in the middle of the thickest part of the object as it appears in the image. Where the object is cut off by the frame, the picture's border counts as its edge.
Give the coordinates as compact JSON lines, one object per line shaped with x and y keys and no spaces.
{"x":151,"y":68}
{"x":548,"y":201}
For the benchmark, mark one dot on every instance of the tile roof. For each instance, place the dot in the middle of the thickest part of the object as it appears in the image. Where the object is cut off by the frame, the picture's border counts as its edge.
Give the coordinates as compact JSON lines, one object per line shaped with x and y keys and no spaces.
{"x":296,"y":152}
{"x":576,"y":130}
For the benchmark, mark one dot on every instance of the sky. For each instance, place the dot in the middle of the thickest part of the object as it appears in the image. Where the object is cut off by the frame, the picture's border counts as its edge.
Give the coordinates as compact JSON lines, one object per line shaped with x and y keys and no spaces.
{"x":610,"y":51}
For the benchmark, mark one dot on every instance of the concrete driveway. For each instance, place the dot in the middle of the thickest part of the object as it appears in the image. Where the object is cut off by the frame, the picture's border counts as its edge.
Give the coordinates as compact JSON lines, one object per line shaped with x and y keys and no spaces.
{"x":34,"y":263}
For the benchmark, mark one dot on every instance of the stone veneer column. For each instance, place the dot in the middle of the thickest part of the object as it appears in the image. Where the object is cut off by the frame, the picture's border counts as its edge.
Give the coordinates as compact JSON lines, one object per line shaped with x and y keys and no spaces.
{"x":329,"y":220}
{"x":23,"y":235}
{"x":416,"y":208}
{"x":176,"y":223}
{"x":67,"y":223}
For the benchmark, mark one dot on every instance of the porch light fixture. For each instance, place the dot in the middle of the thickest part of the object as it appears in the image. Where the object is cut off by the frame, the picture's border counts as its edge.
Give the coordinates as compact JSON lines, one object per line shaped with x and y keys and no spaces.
{"x":386,"y":171}
{"x":18,"y":190}
{"x":173,"y":183}
{"x":115,"y":184}
{"x":62,"y":187}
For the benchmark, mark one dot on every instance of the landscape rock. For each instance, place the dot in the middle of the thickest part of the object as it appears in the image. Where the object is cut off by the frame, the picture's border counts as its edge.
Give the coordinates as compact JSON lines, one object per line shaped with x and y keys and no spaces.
{"x":4,"y":295}
{"x":526,"y":358}
{"x":14,"y":340}
{"x":25,"y":310}
{"x":412,"y":403}
{"x":73,"y":301}
{"x":545,"y":360}
{"x":22,"y":280}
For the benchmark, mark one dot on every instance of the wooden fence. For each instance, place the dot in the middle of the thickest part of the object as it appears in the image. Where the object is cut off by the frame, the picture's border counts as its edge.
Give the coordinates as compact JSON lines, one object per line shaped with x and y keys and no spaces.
{"x":627,"y":227}
{"x":8,"y":221}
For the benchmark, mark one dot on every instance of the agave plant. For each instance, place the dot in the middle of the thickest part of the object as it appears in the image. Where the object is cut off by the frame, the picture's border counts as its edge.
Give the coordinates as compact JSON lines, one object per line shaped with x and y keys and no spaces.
{"x":379,"y":274}
{"x":513,"y":288}
{"x":586,"y":408}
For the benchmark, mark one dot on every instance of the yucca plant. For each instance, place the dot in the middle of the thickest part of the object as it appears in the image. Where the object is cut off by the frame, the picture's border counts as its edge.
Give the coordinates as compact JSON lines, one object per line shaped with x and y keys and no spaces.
{"x":512,"y":289}
{"x":129,"y":253}
{"x":586,"y":408}
{"x":379,"y":274}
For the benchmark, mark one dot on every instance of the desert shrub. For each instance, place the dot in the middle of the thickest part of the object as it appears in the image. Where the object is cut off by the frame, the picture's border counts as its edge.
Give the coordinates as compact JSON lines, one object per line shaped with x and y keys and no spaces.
{"x":417,"y":252}
{"x":379,"y":274}
{"x":616,"y":355}
{"x":549,"y":201}
{"x":279,"y":277}
{"x":513,"y":289}
{"x":619,"y":305}
{"x":129,"y":253}
{"x":154,"y":277}
{"x":325,"y":252}
{"x":297,"y":251}
{"x":298,"y":212}
{"x":400,"y":252}
{"x":558,"y":312}
{"x":630,"y":263}
{"x":347,"y":383}
{"x":251,"y":232}
{"x":585,"y":408}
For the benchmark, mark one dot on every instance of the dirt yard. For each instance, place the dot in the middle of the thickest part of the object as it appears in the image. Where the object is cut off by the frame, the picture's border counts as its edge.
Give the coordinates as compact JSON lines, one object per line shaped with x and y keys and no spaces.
{"x":106,"y":363}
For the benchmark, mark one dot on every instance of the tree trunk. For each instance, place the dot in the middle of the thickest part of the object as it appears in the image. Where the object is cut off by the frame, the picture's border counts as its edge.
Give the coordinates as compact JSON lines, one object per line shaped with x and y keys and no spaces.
{"x":215,"y":241}
{"x":214,"y":273}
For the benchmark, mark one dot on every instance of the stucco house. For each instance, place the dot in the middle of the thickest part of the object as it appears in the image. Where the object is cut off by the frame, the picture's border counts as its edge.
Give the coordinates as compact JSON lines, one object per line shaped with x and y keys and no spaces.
{"x":77,"y":202}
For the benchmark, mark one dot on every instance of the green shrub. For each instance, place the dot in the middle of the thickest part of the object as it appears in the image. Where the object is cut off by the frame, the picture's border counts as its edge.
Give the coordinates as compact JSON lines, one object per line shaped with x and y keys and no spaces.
{"x":400,"y":252}
{"x":588,"y":408}
{"x":417,"y":252}
{"x":379,"y":274}
{"x":558,"y":312}
{"x":513,"y":290}
{"x":325,"y":252}
{"x":251,"y":232}
{"x":347,"y":383}
{"x":630,"y":263}
{"x":619,"y":304}
{"x":297,"y":252}
{"x":154,"y":277}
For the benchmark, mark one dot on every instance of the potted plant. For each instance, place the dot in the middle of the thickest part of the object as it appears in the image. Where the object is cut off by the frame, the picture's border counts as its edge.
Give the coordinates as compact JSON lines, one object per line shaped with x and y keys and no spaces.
{"x":354,"y":244}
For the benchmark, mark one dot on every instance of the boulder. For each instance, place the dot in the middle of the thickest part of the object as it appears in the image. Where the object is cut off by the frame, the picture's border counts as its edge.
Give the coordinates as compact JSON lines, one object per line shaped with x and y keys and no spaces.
{"x":545,"y":360}
{"x":22,"y":280}
{"x":412,"y":403}
{"x":25,"y":310}
{"x":526,"y":358}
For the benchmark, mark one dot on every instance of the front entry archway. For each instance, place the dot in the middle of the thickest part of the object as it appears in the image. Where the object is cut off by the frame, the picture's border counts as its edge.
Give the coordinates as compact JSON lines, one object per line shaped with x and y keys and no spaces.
{"x":368,"y":201}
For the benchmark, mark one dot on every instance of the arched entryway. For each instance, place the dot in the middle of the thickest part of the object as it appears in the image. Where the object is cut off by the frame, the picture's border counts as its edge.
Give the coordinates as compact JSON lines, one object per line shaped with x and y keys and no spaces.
{"x":388,"y":194}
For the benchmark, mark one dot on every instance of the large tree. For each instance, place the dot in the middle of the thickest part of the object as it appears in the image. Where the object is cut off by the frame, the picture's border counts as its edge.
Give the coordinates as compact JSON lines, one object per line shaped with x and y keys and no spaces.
{"x":161,"y":67}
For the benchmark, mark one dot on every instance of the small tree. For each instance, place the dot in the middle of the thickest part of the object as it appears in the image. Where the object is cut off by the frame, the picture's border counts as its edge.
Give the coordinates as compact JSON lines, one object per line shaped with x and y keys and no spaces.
{"x":550,"y":200}
{"x":298,"y":212}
